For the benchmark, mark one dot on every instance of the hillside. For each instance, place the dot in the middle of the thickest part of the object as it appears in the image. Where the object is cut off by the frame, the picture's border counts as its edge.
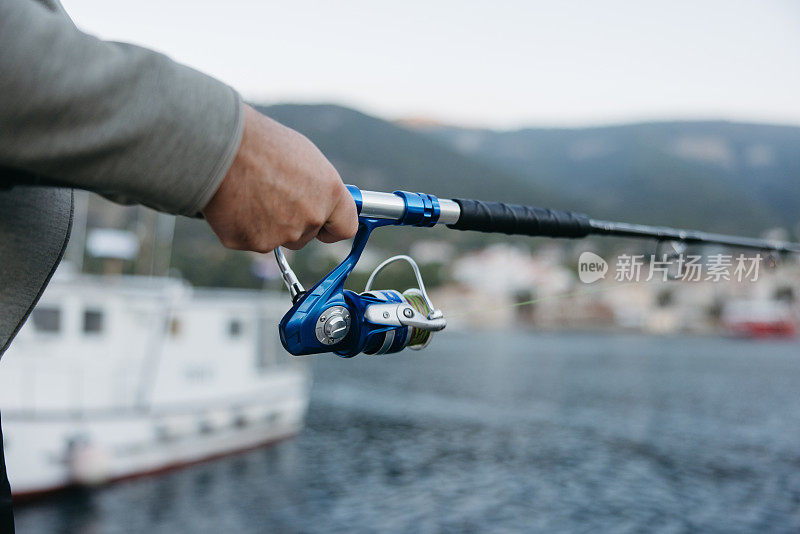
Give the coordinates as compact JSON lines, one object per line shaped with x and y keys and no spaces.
{"x":716,"y":175}
{"x":375,"y":154}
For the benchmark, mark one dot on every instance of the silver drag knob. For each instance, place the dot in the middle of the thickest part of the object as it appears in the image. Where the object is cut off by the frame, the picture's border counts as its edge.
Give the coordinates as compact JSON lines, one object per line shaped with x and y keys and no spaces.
{"x":336,"y":327}
{"x":333,"y":325}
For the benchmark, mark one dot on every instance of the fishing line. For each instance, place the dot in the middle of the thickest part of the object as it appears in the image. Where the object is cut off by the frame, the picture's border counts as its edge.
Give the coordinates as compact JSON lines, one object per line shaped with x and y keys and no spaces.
{"x":599,"y":289}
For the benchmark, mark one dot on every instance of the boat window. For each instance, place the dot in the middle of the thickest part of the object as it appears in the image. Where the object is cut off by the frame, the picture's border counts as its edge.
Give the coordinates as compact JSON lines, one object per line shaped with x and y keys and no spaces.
{"x":92,"y":321}
{"x":46,"y":319}
{"x":234,"y":328}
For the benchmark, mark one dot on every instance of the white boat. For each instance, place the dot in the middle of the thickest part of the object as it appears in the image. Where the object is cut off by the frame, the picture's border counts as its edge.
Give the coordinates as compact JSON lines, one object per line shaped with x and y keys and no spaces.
{"x":114,"y":377}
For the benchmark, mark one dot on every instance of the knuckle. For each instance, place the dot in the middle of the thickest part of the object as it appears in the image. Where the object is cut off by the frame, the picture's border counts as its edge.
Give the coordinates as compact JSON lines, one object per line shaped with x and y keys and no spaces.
{"x":231,"y":243}
{"x":316,"y":219}
{"x":333,"y":176}
{"x":293,"y":235}
{"x":249,"y":242}
{"x":312,"y":217}
{"x":261,"y":244}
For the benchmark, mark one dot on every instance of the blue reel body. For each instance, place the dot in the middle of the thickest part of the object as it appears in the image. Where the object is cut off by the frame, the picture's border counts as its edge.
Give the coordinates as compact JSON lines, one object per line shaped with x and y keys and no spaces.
{"x":304,"y":328}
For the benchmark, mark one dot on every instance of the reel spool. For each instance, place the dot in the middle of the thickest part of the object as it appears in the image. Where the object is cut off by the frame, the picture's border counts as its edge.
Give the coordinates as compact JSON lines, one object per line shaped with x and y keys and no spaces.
{"x":414,"y":337}
{"x":420,"y":338}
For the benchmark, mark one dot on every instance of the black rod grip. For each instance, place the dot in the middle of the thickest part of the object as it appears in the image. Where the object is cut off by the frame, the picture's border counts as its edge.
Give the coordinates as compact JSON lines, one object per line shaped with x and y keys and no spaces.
{"x":497,"y":217}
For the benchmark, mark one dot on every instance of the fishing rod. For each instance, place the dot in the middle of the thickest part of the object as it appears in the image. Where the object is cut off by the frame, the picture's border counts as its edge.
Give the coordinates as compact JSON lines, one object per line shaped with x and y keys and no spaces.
{"x":329,"y":318}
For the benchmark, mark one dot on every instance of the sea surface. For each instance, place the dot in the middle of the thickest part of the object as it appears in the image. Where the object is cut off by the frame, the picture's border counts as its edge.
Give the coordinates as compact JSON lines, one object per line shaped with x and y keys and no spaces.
{"x":501,"y":432}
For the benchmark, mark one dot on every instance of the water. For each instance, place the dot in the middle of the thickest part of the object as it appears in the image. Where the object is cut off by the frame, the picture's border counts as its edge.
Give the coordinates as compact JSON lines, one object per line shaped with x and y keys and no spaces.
{"x":501,"y":432}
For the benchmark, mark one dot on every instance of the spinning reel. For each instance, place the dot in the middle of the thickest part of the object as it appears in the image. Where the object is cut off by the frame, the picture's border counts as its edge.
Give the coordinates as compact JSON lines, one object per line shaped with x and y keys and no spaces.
{"x":329,"y":318}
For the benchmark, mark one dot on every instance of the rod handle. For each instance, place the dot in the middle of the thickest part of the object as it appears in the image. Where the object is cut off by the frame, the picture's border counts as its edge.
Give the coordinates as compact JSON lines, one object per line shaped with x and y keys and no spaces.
{"x":515,"y":219}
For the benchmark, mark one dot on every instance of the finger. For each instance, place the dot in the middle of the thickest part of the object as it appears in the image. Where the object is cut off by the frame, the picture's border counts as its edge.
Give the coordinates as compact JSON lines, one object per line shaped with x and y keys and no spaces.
{"x":342,"y":222}
{"x":303,"y":241}
{"x":326,"y":237}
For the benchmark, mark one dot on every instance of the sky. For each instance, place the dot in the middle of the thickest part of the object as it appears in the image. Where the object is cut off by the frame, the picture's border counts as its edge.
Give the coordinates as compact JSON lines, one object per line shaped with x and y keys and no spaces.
{"x":500,"y":64}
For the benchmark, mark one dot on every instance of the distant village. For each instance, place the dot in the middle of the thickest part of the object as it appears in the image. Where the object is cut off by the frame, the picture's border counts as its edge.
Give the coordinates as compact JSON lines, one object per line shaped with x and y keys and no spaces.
{"x":503,"y":285}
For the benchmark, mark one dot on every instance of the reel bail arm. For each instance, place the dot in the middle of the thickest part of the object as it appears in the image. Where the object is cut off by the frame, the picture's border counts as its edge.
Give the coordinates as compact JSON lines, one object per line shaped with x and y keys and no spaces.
{"x":289,"y":278}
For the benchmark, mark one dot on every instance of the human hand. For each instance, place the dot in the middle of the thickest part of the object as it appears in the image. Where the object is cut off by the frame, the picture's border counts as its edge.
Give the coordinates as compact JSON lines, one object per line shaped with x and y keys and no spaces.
{"x":279,"y":191}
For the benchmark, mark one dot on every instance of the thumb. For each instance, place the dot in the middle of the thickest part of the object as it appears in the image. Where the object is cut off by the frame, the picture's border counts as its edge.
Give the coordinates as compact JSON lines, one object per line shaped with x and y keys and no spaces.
{"x":342,"y":223}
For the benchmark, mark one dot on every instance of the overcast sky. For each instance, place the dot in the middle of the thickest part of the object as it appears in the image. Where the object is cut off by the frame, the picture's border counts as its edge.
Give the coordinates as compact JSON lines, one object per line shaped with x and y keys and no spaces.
{"x":497,"y":64}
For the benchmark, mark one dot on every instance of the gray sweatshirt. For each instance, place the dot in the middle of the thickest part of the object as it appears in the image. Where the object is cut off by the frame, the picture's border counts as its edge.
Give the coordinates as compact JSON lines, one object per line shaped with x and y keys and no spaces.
{"x":117,"y":119}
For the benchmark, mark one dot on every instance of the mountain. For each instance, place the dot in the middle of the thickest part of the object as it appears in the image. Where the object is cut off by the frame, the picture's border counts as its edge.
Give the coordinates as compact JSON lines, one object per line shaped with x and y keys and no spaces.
{"x":714,"y":175}
{"x":379,"y":155}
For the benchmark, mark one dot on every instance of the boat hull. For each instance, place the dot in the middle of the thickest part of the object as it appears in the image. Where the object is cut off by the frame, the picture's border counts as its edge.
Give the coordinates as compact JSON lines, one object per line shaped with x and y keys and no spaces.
{"x":47,"y":453}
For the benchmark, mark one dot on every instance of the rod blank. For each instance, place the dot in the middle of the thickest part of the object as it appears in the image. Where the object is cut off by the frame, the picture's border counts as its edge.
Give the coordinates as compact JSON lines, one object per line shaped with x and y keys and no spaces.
{"x":664,"y":233}
{"x":513,"y":219}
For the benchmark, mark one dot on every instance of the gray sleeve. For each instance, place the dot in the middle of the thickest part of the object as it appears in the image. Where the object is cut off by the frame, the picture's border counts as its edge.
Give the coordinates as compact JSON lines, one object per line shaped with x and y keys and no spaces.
{"x":112,"y":118}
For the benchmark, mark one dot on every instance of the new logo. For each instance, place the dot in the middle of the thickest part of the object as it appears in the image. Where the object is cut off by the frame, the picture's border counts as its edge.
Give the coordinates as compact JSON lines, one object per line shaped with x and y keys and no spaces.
{"x":591,"y":267}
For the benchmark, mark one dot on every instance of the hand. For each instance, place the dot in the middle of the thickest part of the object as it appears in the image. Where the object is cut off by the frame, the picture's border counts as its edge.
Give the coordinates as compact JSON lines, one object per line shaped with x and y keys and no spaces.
{"x":280,"y":190}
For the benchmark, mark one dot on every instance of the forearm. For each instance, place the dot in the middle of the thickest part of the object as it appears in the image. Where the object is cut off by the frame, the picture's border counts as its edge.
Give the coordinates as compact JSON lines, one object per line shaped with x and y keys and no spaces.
{"x":110,"y":117}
